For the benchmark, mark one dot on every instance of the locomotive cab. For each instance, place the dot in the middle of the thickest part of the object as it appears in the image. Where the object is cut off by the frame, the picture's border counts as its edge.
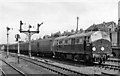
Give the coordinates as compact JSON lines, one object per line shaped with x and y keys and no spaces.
{"x":101,"y":46}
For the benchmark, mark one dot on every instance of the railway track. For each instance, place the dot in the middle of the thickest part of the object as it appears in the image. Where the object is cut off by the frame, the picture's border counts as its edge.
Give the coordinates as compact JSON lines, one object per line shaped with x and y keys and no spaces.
{"x":57,"y":69}
{"x":118,"y":61}
{"x":108,"y":66}
{"x":111,"y":66}
{"x":64,"y":71}
{"x":114,"y":61}
{"x":107,"y":74}
{"x":109,"y":70}
{"x":3,"y":73}
{"x":9,"y":69}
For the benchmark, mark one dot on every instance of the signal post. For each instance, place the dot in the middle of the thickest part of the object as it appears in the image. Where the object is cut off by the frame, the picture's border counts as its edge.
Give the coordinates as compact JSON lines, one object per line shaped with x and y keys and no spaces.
{"x":29,"y":33}
{"x":17,"y":36}
{"x":8,"y":41}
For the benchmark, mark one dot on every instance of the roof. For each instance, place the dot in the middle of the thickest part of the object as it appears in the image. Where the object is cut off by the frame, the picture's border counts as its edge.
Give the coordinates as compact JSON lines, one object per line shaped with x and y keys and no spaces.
{"x":81,"y":34}
{"x":62,"y":37}
{"x":103,"y":26}
{"x":75,"y":35}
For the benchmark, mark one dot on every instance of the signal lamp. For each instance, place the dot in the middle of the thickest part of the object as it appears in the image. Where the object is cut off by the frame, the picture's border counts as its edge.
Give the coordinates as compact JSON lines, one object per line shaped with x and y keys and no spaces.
{"x":102,"y":48}
{"x":94,"y":49}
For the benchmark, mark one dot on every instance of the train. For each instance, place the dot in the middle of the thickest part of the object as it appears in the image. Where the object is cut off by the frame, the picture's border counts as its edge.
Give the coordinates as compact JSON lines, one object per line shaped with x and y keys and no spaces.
{"x":94,"y":46}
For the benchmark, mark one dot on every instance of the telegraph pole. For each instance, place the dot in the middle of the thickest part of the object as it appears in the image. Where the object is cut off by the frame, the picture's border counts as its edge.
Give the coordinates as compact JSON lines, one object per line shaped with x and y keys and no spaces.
{"x":77,"y":25}
{"x":29,"y":33}
{"x":8,"y":40}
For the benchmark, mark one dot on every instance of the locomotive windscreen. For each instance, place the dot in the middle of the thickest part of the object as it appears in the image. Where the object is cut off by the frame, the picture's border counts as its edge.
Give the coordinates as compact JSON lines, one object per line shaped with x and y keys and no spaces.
{"x":99,"y":35}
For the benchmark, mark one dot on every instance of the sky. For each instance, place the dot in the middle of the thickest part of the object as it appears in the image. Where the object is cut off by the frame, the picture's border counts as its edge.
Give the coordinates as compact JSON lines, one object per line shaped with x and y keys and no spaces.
{"x":56,"y":15}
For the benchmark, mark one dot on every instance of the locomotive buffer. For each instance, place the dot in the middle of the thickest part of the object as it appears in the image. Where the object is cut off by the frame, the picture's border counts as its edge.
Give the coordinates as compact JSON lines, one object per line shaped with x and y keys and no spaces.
{"x":29,"y":33}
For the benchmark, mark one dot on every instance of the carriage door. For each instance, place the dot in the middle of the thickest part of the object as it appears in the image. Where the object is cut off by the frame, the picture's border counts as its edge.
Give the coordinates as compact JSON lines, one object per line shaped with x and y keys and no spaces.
{"x":38,"y":46}
{"x":73,"y":44}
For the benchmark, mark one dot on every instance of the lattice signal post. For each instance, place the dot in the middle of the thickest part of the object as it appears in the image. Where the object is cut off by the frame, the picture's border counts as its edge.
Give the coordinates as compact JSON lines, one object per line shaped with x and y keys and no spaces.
{"x":29,"y":33}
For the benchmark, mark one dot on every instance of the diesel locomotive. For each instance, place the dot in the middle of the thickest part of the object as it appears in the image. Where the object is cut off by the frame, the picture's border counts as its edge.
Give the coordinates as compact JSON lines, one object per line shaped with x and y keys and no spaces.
{"x":94,"y":46}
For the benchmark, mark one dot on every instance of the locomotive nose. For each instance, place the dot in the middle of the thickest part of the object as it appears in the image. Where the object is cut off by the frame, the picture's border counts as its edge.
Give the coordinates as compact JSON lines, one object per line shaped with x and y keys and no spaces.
{"x":101,"y":46}
{"x":101,"y":42}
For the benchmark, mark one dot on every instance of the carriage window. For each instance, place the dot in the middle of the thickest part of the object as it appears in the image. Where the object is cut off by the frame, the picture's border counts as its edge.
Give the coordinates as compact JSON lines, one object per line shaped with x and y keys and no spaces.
{"x":37,"y":44}
{"x":23,"y":45}
{"x":73,"y":41}
{"x":56,"y":42}
{"x":87,"y":39}
{"x":66,"y":41}
{"x":15,"y":46}
{"x":77,"y":40}
{"x":60,"y":42}
{"x":69,"y":41}
{"x":81,"y":40}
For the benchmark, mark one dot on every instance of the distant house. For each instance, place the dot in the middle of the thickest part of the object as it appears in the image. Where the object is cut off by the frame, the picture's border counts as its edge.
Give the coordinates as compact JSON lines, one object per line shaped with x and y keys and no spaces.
{"x":105,"y":26}
{"x":111,"y":28}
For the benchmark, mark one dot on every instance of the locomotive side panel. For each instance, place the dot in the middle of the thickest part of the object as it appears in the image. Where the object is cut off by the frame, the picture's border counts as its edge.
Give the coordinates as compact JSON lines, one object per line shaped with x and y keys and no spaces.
{"x":71,"y":46}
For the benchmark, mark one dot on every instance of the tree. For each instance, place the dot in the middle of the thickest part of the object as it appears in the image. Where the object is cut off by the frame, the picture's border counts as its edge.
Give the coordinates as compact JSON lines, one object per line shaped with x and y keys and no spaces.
{"x":81,"y":30}
{"x":72,"y":30}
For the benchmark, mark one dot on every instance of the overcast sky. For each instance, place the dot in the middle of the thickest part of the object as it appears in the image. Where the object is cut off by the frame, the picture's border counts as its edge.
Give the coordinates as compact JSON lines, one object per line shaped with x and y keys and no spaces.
{"x":56,"y":15}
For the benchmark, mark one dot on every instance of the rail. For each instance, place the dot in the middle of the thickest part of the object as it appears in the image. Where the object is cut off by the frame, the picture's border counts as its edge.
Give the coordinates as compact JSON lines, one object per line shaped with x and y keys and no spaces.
{"x":21,"y":73}
{"x":54,"y":70}
{"x":3,"y":73}
{"x":116,"y":47}
{"x":108,"y":66}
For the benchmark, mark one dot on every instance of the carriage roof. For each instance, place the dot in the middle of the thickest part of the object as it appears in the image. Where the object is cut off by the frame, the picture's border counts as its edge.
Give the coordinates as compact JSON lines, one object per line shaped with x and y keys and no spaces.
{"x":62,"y":37}
{"x":75,"y":35}
{"x":81,"y":34}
